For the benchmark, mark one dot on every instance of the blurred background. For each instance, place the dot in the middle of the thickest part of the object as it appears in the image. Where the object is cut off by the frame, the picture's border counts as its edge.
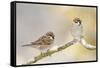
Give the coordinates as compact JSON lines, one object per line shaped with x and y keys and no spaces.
{"x":34,"y":20}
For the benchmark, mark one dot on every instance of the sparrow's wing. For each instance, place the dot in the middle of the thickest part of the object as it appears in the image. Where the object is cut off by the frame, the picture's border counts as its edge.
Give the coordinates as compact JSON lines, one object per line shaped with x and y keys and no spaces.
{"x":44,"y":40}
{"x":48,"y":40}
{"x":40,"y":41}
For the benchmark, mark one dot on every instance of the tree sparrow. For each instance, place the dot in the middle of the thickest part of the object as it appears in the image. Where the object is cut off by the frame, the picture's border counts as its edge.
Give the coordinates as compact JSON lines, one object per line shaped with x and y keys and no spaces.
{"x":44,"y":42}
{"x":77,"y":31}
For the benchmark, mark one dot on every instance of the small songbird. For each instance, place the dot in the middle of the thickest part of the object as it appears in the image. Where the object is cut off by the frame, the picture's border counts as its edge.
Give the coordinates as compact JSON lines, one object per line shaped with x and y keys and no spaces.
{"x":77,"y":32}
{"x":44,"y":42}
{"x":77,"y":28}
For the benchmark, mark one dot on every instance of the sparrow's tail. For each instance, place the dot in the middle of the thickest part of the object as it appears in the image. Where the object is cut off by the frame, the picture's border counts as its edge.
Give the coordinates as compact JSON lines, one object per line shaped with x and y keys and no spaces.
{"x":26,"y":45}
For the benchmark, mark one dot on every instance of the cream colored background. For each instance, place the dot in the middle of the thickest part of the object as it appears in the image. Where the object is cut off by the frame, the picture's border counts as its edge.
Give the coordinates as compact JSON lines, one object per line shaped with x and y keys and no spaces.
{"x":35,"y":20}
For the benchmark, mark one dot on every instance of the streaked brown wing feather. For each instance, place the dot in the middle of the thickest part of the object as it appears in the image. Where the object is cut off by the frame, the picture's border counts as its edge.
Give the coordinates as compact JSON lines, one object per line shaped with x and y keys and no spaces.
{"x":40,"y":41}
{"x":44,"y":40}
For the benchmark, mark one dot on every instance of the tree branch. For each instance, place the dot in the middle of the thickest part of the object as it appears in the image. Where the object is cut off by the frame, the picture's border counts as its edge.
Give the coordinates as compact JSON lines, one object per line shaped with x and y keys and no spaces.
{"x":50,"y":52}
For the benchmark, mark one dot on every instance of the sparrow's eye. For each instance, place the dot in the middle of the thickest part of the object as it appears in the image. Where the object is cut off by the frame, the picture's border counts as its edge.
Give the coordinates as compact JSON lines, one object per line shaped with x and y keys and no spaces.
{"x":52,"y":36}
{"x":76,"y":22}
